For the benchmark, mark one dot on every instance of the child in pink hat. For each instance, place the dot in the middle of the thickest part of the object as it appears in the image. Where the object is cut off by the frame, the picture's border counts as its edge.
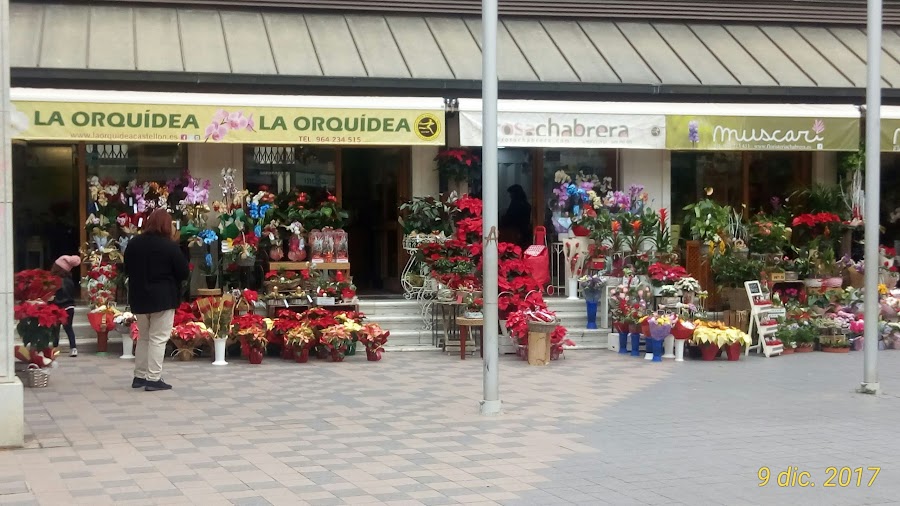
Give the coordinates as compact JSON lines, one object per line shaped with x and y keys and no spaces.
{"x":65,"y":296}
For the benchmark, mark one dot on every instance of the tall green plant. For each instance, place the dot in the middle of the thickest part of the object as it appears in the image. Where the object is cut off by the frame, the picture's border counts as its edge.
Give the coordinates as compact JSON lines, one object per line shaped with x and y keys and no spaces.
{"x":707,"y":220}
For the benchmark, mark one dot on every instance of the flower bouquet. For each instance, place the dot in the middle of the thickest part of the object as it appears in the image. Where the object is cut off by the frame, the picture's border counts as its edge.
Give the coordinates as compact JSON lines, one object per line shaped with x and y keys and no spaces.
{"x":123,"y":322}
{"x":187,"y":337}
{"x":661,"y":325}
{"x":373,"y":338}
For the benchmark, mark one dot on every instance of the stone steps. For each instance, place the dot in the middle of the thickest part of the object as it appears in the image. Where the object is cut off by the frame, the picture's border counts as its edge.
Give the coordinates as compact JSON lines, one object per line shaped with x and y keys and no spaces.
{"x":403,"y":318}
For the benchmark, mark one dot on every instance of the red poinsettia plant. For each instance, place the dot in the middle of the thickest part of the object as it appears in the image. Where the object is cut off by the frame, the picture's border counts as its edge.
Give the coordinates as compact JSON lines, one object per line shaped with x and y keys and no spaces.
{"x":252,"y":330}
{"x":38,"y":325}
{"x":35,"y":284}
{"x":185,"y":313}
{"x":457,"y":163}
{"x":665,"y":274}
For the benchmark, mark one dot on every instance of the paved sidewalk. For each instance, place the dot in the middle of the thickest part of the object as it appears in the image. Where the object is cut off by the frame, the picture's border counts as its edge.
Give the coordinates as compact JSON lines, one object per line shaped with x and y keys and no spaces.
{"x":596,"y":428}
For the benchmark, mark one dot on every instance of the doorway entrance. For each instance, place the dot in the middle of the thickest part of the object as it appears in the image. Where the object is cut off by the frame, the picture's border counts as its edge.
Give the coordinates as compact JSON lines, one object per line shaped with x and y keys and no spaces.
{"x":45,"y":213}
{"x":374,"y":182}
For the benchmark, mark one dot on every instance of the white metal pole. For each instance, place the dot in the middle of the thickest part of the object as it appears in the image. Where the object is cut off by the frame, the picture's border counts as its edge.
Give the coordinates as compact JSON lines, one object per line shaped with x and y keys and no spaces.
{"x":873,"y":195}
{"x":490,"y":194}
{"x":12,"y":410}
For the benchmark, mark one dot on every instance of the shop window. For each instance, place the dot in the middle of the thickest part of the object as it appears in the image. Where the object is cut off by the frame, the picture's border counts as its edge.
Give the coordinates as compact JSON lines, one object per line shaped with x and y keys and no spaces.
{"x":282,"y":168}
{"x":737,"y":178}
{"x":144,"y":162}
{"x":890,"y":198}
{"x":598,"y":162}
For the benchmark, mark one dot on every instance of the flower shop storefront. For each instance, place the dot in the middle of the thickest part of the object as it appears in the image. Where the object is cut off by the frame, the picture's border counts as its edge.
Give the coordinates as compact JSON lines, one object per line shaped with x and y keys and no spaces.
{"x":75,"y":145}
{"x":623,"y":156}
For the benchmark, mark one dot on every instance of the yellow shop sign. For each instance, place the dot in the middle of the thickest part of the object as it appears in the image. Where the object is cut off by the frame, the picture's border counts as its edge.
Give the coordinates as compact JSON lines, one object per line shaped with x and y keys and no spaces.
{"x":122,"y":122}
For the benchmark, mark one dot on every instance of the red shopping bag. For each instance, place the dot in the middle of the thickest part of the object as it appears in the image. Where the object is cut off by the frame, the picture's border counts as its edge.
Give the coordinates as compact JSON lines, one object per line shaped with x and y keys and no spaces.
{"x":537,"y":258}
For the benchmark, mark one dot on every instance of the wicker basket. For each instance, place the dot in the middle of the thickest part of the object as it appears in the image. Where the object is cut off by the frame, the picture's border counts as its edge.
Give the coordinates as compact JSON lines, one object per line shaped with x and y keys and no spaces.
{"x":542,"y":327}
{"x":34,"y":377}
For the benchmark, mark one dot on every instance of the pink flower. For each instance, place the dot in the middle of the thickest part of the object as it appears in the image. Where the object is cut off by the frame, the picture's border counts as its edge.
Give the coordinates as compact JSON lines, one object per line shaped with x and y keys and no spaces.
{"x":237,"y":121}
{"x":251,"y":125}
{"x":220,"y":116}
{"x":216,"y":131}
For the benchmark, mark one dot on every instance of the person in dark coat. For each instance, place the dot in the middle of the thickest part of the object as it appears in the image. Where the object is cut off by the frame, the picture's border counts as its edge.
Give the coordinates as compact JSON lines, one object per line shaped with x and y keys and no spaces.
{"x":517,"y":218}
{"x":65,"y":296}
{"x":156,"y":268}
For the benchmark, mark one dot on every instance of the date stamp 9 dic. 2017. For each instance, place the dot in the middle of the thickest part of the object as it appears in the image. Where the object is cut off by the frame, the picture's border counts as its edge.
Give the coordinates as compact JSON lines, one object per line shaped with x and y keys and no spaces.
{"x":843,"y":477}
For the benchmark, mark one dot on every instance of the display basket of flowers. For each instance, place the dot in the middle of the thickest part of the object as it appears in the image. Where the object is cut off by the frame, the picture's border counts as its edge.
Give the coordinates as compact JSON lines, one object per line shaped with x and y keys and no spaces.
{"x":187,"y":337}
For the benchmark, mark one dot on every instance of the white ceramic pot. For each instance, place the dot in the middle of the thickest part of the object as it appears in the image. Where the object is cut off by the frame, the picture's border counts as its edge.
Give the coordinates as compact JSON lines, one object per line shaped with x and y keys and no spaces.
{"x":127,"y":347}
{"x":572,"y":288}
{"x":219,"y":345}
{"x":679,"y":350}
{"x":669,"y":347}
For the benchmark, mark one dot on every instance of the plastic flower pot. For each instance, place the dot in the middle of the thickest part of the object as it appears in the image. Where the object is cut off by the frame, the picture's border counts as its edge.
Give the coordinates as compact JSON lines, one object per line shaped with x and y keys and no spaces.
{"x":337,"y":355}
{"x":255,"y":355}
{"x":635,"y":344}
{"x":709,"y":351}
{"x":287,"y":352}
{"x":623,"y":342}
{"x":373,"y":355}
{"x":804,"y":349}
{"x":733,"y":351}
{"x":657,"y":347}
{"x":591,"y":314}
{"x":787,"y":350}
{"x":301,"y":355}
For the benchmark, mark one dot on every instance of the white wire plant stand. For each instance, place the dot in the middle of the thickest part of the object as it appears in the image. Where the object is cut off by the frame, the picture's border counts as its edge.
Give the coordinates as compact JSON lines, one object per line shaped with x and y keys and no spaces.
{"x":416,"y":279}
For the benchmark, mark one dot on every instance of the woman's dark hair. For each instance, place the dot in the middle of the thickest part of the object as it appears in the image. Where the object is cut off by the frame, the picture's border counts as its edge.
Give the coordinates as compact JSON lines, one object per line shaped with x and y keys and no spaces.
{"x":58,"y":271}
{"x":159,"y":223}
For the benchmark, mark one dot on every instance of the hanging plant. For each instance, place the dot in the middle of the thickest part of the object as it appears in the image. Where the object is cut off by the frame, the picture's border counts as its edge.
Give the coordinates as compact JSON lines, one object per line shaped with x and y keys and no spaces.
{"x":457,"y":163}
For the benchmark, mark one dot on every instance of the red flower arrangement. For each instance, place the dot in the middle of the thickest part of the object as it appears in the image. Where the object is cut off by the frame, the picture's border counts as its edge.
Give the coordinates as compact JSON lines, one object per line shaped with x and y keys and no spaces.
{"x":665,"y":274}
{"x":457,"y":163}
{"x":35,"y":284}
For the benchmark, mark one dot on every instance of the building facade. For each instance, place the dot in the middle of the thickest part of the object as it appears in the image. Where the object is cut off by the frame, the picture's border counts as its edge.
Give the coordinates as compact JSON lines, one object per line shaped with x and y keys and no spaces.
{"x":356,"y":97}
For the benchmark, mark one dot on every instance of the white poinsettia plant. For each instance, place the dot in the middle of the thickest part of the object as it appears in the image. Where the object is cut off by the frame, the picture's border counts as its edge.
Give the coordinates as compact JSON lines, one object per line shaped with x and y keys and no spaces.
{"x":688,"y":284}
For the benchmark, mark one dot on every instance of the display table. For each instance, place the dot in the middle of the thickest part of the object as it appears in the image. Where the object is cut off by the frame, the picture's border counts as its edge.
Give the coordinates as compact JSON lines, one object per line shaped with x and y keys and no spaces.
{"x":467,"y":328}
{"x":443,"y":317}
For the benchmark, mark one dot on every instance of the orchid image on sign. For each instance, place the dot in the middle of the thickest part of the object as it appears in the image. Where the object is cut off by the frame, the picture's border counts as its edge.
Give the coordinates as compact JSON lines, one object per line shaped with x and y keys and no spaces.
{"x":223,"y":122}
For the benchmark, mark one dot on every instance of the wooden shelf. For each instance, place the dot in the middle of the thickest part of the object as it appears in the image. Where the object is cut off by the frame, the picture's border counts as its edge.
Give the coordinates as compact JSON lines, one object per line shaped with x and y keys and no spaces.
{"x":300,"y":266}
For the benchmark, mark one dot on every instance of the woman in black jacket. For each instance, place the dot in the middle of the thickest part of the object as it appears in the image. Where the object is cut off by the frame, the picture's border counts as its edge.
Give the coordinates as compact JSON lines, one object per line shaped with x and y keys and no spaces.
{"x":155,"y":268}
{"x":65,"y":296}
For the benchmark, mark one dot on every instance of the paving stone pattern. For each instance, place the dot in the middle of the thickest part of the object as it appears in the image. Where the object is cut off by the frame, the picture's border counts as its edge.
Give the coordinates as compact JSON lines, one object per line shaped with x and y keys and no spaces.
{"x":595,"y":428}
